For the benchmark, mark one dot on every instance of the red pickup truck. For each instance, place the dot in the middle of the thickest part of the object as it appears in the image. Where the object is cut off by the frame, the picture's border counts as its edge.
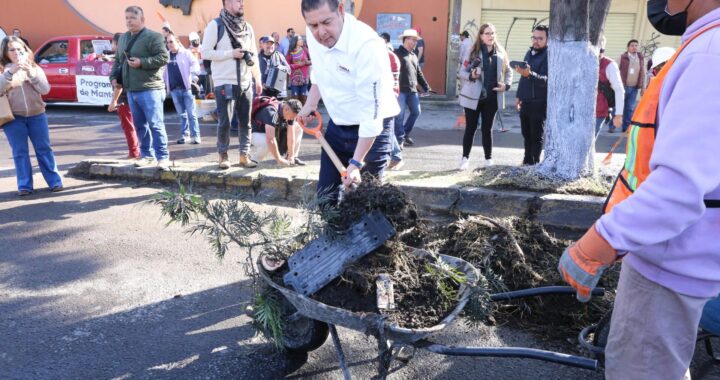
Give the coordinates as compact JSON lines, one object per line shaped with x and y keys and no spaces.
{"x":59,"y":58}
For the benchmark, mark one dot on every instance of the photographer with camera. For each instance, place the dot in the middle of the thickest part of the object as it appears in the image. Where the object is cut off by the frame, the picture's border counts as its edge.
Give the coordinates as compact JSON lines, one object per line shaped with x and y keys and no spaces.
{"x":229,"y":43}
{"x":485,"y":75}
{"x":273,"y":65}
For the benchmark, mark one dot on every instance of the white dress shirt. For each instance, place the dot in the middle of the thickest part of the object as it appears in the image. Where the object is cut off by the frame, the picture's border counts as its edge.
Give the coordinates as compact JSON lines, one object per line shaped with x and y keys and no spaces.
{"x":354,"y":78}
{"x":612,"y":71}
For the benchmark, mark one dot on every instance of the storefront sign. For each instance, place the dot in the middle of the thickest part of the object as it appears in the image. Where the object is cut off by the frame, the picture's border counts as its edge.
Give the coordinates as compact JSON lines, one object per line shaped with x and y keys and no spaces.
{"x":393,"y":24}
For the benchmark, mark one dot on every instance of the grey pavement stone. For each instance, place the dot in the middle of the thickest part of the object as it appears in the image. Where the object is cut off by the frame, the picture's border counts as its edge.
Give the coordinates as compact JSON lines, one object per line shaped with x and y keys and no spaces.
{"x":435,"y":199}
{"x":570,"y":211}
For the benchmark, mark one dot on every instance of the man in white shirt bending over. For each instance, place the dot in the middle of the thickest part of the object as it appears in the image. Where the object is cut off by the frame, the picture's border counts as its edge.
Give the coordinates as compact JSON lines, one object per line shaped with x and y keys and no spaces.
{"x":351,"y":73}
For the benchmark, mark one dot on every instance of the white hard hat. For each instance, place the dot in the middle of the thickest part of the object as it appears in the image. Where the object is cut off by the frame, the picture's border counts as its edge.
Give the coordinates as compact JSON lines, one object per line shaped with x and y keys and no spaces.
{"x":661,"y":55}
{"x":193,"y":36}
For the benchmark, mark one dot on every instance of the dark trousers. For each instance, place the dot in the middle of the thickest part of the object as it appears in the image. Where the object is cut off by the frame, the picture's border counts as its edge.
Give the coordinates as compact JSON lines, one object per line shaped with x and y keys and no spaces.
{"x":532,"y":125}
{"x":486,"y":109}
{"x":343,"y":140}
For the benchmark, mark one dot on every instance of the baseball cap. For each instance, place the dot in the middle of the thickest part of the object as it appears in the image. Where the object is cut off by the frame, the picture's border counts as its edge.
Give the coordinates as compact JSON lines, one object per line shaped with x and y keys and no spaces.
{"x":265,"y":39}
{"x":193,"y":36}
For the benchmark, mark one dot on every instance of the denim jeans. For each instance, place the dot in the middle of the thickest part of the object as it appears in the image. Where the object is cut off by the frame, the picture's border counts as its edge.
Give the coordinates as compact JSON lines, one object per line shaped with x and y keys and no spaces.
{"x":239,"y":105}
{"x":396,"y":152}
{"x":631,"y":94}
{"x":343,"y":140}
{"x":185,"y":107}
{"x":36,"y":128}
{"x":404,"y":127}
{"x":147,"y":111}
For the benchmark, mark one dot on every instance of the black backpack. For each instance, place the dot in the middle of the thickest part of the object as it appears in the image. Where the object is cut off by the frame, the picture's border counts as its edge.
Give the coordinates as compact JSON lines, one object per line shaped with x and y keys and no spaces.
{"x":220,"y":33}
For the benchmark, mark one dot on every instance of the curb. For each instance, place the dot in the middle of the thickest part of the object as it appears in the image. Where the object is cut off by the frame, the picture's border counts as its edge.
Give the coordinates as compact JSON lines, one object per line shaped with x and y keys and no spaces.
{"x":445,"y":195}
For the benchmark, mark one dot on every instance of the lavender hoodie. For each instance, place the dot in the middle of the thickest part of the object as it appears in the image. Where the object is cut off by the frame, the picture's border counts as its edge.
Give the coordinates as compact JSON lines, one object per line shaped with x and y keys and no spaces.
{"x":668,"y":234}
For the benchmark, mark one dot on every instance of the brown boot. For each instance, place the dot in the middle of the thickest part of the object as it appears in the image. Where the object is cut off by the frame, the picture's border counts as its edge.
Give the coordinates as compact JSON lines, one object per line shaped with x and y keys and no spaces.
{"x":246,"y":162}
{"x":223,"y":162}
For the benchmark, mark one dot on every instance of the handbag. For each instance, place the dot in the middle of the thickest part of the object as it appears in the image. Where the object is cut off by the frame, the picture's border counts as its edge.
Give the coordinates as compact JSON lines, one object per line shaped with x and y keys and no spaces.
{"x":6,"y":115}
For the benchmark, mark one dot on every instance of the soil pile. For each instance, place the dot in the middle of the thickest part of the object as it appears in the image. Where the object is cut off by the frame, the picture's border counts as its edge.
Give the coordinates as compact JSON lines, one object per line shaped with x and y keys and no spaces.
{"x":418,"y":300}
{"x":516,"y":254}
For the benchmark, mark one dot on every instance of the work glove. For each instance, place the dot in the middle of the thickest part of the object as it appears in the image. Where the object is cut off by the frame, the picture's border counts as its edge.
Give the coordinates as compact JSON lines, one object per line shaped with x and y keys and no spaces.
{"x":582,"y":263}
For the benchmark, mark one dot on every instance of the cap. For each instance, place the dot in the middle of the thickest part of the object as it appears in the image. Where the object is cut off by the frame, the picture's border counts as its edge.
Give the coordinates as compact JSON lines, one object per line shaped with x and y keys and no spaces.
{"x":662,"y":54}
{"x":265,"y":39}
{"x":410,"y":33}
{"x":193,"y":36}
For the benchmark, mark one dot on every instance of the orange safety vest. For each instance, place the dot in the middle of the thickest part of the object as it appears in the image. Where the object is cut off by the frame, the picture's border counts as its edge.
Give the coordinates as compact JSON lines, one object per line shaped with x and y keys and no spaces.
{"x":641,"y":137}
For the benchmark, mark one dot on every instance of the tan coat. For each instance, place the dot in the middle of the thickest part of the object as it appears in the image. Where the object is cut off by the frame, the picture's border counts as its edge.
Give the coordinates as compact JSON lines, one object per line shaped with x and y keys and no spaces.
{"x":25,"y":93}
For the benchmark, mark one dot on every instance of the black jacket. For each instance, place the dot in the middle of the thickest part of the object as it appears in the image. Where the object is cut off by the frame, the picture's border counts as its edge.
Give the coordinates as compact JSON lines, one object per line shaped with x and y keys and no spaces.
{"x":410,"y":72}
{"x":534,"y":87}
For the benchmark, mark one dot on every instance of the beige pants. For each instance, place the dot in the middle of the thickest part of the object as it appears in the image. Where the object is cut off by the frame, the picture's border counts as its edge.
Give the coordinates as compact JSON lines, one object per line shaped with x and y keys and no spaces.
{"x":261,"y":149}
{"x":653,"y":330}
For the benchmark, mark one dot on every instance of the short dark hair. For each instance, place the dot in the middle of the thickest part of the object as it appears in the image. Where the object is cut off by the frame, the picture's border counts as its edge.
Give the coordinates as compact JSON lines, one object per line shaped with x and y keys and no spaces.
{"x":290,"y":30}
{"x":135,"y":9}
{"x":542,"y":28}
{"x":294,"y":104}
{"x":116,"y":37}
{"x":465,"y":34}
{"x":311,"y":5}
{"x":631,"y":41}
{"x":385,"y":36}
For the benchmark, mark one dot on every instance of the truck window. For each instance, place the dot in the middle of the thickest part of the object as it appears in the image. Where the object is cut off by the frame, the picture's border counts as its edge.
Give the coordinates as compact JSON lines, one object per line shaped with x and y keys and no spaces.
{"x":55,"y":52}
{"x":86,"y":48}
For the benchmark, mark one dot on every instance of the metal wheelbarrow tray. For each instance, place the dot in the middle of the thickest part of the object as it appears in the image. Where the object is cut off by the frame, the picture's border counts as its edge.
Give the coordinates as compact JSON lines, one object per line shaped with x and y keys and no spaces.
{"x":373,"y":323}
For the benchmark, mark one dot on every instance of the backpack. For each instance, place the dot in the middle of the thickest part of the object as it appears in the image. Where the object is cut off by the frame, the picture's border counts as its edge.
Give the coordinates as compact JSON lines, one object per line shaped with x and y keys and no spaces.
{"x":608,"y":93}
{"x":261,"y":102}
{"x":220,"y":33}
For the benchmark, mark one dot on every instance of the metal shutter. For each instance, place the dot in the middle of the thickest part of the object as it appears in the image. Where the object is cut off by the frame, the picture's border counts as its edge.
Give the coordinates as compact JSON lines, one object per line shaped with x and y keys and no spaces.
{"x":618,"y":30}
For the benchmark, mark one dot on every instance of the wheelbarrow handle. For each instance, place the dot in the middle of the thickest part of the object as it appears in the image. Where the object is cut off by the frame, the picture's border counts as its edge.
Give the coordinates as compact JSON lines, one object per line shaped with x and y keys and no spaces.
{"x":506,"y":296}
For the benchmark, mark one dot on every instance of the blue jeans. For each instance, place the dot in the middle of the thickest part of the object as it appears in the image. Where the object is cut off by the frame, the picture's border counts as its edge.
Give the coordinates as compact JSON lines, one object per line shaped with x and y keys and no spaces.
{"x":343,"y":140}
{"x":36,"y":128}
{"x":710,"y":320}
{"x":404,"y":127}
{"x":299,"y":90}
{"x":631,"y":94}
{"x":396,"y":153}
{"x":185,"y":106}
{"x":147,"y":111}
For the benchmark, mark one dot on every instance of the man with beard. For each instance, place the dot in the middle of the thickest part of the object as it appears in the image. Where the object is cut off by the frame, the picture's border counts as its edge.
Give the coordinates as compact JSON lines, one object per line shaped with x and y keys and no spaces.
{"x":352,"y":75}
{"x":532,"y":95}
{"x":229,"y":43}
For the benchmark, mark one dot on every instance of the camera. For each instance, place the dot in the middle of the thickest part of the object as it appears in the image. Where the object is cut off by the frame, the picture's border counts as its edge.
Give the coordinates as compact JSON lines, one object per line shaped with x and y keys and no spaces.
{"x":476,"y":63}
{"x":248,"y":58}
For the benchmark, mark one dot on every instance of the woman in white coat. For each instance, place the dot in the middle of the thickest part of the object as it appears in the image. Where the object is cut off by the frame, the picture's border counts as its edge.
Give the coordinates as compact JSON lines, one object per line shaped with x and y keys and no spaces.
{"x":485,"y":74}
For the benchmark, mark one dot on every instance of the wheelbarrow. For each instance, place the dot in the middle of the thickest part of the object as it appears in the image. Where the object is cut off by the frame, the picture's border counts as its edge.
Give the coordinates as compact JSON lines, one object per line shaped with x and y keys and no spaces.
{"x":308,"y":326}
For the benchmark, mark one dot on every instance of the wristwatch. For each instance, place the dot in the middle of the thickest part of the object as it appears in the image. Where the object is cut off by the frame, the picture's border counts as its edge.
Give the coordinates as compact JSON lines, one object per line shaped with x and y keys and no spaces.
{"x":356,"y":163}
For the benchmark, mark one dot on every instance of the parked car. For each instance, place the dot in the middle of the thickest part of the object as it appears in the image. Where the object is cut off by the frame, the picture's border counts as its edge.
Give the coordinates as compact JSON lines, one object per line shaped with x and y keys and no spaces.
{"x":59,"y":58}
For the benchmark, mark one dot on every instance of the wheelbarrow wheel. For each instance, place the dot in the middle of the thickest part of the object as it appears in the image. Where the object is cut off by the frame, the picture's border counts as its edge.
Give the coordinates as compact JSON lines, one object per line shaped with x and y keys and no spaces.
{"x":600,"y":338}
{"x":303,"y":334}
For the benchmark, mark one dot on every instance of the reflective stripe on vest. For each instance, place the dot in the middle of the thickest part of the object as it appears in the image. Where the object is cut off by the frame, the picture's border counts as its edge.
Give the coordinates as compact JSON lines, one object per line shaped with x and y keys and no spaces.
{"x":641,"y":137}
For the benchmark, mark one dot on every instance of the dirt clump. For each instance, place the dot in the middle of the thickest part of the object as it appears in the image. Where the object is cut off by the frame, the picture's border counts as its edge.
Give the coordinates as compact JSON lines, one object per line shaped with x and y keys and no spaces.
{"x":515,"y":254}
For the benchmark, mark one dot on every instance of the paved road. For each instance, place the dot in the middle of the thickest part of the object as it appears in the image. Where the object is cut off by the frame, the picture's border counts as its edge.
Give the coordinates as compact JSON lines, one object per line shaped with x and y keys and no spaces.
{"x":81,"y":132}
{"x":93,"y":285}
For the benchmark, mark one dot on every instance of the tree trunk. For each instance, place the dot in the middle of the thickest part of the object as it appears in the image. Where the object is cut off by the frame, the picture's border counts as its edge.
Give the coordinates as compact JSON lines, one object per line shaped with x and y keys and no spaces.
{"x":575,"y":27}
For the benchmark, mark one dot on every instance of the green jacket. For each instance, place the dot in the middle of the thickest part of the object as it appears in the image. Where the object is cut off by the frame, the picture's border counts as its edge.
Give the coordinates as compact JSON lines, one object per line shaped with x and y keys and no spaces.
{"x":150,"y":48}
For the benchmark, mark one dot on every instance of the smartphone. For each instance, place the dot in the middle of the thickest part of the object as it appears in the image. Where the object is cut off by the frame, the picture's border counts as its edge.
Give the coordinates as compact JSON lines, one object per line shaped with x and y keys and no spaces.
{"x":520,"y":64}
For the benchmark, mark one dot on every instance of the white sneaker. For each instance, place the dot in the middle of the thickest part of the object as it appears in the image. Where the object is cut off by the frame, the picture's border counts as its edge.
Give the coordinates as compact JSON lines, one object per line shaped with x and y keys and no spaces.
{"x":464,"y":164}
{"x":145,"y":161}
{"x":489,"y":162}
{"x":196,"y":140}
{"x":164,"y":164}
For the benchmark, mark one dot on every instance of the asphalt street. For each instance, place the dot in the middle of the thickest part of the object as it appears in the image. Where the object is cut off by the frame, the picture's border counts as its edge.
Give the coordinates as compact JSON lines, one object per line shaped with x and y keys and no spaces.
{"x":93,"y":285}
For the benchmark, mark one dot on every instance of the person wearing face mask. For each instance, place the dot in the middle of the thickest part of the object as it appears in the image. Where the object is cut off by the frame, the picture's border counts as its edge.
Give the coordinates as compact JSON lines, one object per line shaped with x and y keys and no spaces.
{"x":663,"y":213}
{"x":24,"y":83}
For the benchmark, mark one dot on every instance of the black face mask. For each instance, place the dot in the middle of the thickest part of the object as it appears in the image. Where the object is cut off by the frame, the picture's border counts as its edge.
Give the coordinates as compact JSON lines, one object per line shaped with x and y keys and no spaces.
{"x":194,"y":43}
{"x":665,"y":23}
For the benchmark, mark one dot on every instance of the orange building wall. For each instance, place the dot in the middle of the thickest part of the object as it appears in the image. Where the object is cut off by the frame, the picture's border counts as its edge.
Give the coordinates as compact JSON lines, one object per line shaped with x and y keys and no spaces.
{"x":434,"y":31}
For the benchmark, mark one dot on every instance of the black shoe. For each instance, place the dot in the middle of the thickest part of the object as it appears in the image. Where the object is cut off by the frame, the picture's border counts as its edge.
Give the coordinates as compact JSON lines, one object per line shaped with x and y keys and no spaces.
{"x":57,"y":189}
{"x":23,"y":193}
{"x":299,"y":162}
{"x":181,"y":140}
{"x":409,"y":141}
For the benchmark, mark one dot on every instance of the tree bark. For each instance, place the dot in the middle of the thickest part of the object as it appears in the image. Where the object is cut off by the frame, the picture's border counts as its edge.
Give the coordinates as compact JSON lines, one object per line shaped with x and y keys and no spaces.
{"x":575,"y":27}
